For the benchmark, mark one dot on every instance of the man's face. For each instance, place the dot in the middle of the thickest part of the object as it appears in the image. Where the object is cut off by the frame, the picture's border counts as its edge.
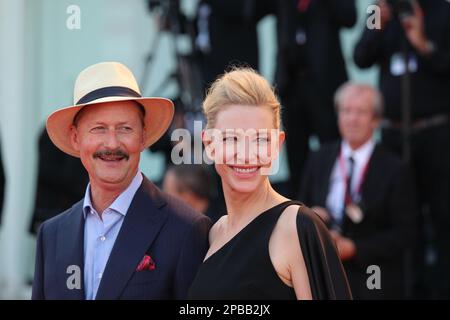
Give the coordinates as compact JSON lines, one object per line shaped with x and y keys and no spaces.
{"x":356,"y":118}
{"x":110,"y":138}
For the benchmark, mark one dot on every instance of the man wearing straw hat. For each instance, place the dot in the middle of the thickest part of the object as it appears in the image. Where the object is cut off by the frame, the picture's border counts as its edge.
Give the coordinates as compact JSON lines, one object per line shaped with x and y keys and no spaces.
{"x":126,"y":239}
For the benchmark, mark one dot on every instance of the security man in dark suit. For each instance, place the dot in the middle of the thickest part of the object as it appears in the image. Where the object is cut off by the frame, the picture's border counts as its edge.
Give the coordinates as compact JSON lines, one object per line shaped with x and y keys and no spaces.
{"x":227,"y":35}
{"x":61,"y":182}
{"x":310,"y":67}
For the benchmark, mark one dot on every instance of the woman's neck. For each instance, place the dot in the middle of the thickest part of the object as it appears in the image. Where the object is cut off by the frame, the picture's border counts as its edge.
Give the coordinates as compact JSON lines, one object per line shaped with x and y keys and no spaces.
{"x":244,"y":207}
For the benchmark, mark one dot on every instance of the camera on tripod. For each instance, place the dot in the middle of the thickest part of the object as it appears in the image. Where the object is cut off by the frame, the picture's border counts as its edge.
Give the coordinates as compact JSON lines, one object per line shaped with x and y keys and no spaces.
{"x":402,"y":8}
{"x":171,"y":17}
{"x":172,"y":20}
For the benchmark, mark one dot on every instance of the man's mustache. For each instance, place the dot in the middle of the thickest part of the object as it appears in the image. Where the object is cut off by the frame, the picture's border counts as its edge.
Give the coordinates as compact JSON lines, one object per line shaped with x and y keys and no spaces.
{"x":108,"y":153}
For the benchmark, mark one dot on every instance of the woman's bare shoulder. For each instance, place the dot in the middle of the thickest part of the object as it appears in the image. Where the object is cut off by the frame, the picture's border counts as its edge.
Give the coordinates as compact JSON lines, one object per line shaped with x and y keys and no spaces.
{"x":217,"y":228}
{"x":288,"y":221}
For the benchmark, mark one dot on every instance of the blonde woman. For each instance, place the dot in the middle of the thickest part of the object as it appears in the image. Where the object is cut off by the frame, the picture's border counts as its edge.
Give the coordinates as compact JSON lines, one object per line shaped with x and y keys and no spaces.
{"x":267,"y":246}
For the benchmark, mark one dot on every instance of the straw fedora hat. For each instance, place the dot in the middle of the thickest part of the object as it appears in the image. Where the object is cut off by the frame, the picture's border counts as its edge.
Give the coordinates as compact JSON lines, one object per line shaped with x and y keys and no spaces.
{"x":107,"y":82}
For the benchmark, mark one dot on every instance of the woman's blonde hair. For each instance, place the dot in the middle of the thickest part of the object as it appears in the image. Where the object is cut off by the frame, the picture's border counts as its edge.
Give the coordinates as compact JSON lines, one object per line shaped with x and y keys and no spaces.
{"x":240,"y":86}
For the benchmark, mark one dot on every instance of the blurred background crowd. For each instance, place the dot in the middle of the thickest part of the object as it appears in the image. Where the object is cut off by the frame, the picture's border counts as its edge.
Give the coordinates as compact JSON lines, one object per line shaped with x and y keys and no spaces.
{"x":308,"y":49}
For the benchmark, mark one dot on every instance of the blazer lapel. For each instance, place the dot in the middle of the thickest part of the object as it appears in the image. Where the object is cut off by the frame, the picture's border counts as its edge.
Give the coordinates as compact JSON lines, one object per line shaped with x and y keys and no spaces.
{"x":139,"y":229}
{"x":70,"y":252}
{"x":372,"y":176}
{"x":328,"y":165}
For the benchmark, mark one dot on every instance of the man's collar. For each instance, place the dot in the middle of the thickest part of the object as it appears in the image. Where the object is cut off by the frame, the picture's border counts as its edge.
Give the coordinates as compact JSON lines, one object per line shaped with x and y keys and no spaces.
{"x":121,"y":203}
{"x":360,"y":155}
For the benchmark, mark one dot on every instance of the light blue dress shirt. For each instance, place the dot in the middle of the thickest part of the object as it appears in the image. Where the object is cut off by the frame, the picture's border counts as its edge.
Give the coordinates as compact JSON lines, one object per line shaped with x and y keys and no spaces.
{"x":101,"y":233}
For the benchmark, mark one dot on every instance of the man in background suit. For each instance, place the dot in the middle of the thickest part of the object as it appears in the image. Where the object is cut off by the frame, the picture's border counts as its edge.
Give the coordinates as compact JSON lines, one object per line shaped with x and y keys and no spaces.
{"x":422,"y":34}
{"x":61,"y":182}
{"x":126,"y":239}
{"x":364,"y":193}
{"x":310,"y":67}
{"x":227,"y":35}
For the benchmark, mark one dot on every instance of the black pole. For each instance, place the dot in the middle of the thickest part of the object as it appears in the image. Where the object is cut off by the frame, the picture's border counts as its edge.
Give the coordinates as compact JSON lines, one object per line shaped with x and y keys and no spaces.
{"x":406,"y":105}
{"x":406,"y":154}
{"x":149,"y":60}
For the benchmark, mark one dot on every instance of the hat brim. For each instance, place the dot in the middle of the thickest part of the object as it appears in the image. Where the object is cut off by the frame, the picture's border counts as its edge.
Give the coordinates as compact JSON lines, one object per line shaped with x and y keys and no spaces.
{"x":158,"y":116}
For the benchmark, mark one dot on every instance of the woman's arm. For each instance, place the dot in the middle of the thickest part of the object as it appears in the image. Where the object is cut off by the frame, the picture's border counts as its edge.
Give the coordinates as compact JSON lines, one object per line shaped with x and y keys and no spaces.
{"x":287,"y":256}
{"x":299,"y":273}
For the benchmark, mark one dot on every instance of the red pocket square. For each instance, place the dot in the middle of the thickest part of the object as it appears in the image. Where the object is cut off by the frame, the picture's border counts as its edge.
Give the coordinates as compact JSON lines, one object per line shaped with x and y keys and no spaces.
{"x":146,"y":263}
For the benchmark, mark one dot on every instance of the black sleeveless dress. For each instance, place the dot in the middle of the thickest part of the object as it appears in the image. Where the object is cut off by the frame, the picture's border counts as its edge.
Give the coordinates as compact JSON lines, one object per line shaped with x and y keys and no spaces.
{"x":242,"y":270}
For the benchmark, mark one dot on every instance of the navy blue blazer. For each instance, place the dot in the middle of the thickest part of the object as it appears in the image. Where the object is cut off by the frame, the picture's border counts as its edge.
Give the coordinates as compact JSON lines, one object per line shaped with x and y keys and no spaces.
{"x":173,"y":234}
